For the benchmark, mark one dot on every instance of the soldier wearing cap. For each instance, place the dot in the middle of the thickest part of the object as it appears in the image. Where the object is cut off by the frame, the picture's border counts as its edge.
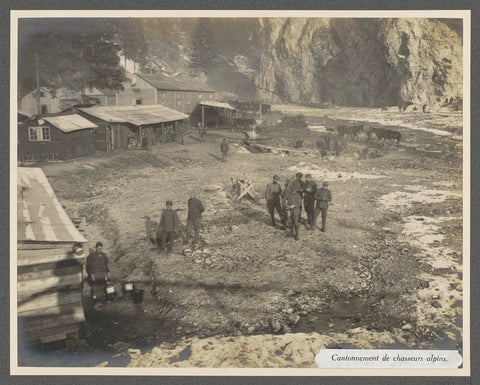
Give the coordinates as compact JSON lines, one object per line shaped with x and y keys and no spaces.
{"x":224,"y":149}
{"x":309,"y":190}
{"x":97,"y":271}
{"x":292,"y":201}
{"x":194,"y":218}
{"x":168,"y":227}
{"x":323,"y":196}
{"x":272,"y":196}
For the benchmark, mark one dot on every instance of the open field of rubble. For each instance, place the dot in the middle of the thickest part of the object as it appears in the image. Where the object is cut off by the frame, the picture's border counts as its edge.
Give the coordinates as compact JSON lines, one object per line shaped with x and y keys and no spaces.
{"x":388,"y":271}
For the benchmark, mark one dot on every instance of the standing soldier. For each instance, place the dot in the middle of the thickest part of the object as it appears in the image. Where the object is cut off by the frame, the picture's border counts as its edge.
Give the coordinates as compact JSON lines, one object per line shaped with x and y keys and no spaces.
{"x":168,"y":227}
{"x":323,"y":197}
{"x":309,"y":190}
{"x":293,"y":204}
{"x":194,"y":218}
{"x":224,"y":149}
{"x":97,"y":271}
{"x":297,"y":185}
{"x":272,"y":196}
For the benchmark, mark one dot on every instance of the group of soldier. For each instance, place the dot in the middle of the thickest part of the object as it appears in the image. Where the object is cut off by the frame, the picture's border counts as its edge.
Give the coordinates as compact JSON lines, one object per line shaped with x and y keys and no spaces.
{"x":288,"y":202}
{"x":168,"y":226}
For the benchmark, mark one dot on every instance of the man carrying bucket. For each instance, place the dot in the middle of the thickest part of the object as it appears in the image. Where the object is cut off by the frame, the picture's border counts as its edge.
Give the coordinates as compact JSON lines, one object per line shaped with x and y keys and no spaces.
{"x":98,"y":272}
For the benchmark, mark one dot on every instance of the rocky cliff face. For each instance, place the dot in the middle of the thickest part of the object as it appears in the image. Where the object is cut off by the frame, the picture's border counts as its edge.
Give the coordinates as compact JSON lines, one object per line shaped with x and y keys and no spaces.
{"x":360,"y":62}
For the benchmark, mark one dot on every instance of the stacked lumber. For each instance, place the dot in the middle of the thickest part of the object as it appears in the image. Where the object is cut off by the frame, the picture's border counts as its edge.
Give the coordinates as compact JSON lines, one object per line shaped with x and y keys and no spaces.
{"x":49,"y":293}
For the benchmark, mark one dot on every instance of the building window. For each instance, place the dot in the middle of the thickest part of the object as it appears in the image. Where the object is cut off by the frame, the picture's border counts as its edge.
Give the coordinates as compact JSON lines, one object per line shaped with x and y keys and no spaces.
{"x":138,"y":101}
{"x":39,"y":134}
{"x":44,"y":109}
{"x":42,"y":94}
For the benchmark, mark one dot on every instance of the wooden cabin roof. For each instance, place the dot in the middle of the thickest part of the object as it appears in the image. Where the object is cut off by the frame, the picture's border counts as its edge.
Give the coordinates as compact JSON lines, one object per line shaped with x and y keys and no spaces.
{"x":218,"y":105}
{"x":164,"y":84}
{"x":136,"y":115}
{"x":69,"y":123}
{"x":40,"y":216}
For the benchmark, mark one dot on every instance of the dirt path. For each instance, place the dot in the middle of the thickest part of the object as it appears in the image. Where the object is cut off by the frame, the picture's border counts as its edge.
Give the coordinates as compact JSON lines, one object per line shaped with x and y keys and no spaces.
{"x":390,"y":262}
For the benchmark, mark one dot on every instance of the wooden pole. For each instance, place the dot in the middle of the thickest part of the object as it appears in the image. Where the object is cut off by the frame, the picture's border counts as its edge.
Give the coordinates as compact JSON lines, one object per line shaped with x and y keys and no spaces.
{"x":162,"y":132}
{"x":175,"y":130}
{"x":39,"y":104}
{"x":203,"y":117}
{"x":141,"y":139}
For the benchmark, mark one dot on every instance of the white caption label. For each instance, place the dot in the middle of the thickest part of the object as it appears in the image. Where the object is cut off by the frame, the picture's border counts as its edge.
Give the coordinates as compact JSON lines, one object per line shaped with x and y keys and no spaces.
{"x":388,"y":359}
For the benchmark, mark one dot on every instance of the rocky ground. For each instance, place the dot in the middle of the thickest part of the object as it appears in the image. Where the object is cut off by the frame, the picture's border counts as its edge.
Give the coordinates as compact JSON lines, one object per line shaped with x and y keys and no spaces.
{"x":388,"y":271}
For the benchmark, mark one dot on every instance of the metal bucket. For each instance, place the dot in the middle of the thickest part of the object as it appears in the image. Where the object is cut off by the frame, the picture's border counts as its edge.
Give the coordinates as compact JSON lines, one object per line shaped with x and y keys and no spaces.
{"x":110,"y":293}
{"x":127,"y":289}
{"x":137,"y":295}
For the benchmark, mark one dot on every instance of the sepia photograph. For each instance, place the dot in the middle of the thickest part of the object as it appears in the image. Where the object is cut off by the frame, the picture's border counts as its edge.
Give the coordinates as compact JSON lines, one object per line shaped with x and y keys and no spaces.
{"x":240,"y":190}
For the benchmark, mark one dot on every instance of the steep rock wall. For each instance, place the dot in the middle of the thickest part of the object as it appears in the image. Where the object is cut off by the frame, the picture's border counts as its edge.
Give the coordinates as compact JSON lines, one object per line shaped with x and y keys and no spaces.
{"x":360,"y":62}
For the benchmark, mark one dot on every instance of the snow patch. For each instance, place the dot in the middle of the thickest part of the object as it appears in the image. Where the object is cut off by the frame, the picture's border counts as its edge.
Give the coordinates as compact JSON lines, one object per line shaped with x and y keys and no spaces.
{"x":317,"y":128}
{"x":331,"y":176}
{"x":420,"y":195}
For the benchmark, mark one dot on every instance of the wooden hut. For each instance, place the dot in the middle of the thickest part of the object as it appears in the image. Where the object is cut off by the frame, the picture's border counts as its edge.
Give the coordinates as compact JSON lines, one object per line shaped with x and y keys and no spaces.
{"x":213,"y":115}
{"x":49,"y":274}
{"x":124,"y":127}
{"x":55,"y":137}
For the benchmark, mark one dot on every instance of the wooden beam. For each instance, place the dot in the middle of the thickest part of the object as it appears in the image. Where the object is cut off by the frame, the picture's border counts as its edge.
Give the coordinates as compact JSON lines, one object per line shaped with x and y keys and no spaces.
{"x":48,"y":300}
{"x":39,"y":334}
{"x":162,"y":133}
{"x":140,"y":133}
{"x":34,"y":257}
{"x":203,"y":117}
{"x":71,"y":315}
{"x":28,"y":289}
{"x":33,"y":274}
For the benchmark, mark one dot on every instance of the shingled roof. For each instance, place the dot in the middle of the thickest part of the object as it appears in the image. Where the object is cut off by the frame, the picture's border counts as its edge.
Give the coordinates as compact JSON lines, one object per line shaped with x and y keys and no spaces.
{"x":40,"y":216}
{"x":136,"y":115}
{"x":165,"y":84}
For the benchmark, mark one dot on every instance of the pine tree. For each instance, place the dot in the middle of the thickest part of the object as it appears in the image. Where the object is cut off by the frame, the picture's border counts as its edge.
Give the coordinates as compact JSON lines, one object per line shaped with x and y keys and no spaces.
{"x":73,"y":61}
{"x":204,"y":48}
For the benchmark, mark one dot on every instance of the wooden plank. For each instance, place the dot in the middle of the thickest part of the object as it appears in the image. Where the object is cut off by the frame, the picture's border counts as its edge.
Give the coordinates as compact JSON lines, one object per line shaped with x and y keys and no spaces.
{"x":24,"y":245}
{"x":38,"y":334}
{"x":52,"y":310}
{"x":48,"y":266}
{"x":27,"y":289}
{"x":36,"y":251}
{"x":53,"y":337}
{"x":32,"y":257}
{"x":75,"y":315}
{"x":48,"y":300}
{"x":52,"y":272}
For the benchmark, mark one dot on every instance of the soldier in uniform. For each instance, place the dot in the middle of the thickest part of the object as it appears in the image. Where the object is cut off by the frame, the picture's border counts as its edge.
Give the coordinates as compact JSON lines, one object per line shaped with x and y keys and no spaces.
{"x":224,"y":149}
{"x":168,"y":227}
{"x":194,"y":218}
{"x":293,"y":204}
{"x":309,"y":190}
{"x":272,"y":196}
{"x":297,"y":185}
{"x":323,"y":196}
{"x":97,"y":271}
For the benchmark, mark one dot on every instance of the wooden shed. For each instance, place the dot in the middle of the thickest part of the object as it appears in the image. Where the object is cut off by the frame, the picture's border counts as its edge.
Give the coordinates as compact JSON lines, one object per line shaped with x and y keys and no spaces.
{"x":213,"y":114}
{"x":55,"y":137}
{"x":124,"y":127}
{"x":49,"y":274}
